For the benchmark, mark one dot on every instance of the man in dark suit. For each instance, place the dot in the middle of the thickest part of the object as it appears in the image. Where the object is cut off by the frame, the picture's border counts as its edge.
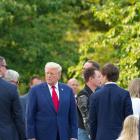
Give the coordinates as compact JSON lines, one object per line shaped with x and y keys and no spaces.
{"x":11,"y":122}
{"x":108,"y":107}
{"x":35,"y":80}
{"x":51,"y":108}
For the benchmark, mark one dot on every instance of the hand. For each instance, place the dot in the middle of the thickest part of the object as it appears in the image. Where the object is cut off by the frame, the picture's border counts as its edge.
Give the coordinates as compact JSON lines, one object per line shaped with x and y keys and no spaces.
{"x":73,"y":139}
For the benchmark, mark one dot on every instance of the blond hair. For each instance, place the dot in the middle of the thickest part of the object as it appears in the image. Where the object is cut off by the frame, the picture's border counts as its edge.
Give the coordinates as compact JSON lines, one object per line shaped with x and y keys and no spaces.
{"x":53,"y":65}
{"x":130,"y":129}
{"x":134,"y":88}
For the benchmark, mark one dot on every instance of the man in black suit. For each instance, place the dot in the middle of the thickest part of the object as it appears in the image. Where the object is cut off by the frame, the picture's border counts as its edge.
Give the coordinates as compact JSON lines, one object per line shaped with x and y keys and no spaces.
{"x":11,"y":122}
{"x":108,"y":106}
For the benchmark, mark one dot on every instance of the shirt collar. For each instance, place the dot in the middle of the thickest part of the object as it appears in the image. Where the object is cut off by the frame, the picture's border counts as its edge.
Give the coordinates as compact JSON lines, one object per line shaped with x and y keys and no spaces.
{"x":56,"y":86}
{"x":110,"y":83}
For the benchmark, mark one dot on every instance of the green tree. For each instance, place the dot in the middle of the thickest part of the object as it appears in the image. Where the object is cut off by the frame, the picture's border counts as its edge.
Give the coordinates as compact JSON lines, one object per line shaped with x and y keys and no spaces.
{"x":33,"y":32}
{"x":119,"y":41}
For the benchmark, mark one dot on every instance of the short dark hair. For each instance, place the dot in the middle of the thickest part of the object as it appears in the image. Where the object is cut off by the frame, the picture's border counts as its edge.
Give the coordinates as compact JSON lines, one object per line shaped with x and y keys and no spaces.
{"x":94,"y":64}
{"x":111,"y":72}
{"x":89,"y":72}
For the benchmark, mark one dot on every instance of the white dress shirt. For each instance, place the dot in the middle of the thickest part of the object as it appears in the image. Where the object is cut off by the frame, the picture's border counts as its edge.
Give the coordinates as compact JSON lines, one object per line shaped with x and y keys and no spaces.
{"x":56,"y":89}
{"x":110,"y":83}
{"x":136,"y":106}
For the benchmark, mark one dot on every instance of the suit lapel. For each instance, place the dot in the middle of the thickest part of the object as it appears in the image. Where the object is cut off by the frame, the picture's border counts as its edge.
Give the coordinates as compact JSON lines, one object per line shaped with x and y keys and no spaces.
{"x":48,"y":96}
{"x":61,"y":96}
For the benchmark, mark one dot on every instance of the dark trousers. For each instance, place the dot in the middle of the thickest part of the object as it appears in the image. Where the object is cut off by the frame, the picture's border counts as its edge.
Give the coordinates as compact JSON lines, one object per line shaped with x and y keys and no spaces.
{"x":58,"y":137}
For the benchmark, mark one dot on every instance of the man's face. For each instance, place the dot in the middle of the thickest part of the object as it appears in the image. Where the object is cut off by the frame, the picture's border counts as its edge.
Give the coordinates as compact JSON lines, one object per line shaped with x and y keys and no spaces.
{"x":35,"y":81}
{"x":74,"y":85}
{"x":2,"y":70}
{"x":97,"y":78}
{"x":52,"y":75}
{"x":103,"y":79}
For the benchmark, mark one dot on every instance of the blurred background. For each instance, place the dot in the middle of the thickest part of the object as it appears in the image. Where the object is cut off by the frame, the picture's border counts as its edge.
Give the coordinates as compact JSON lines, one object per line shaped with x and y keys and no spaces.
{"x":69,"y":32}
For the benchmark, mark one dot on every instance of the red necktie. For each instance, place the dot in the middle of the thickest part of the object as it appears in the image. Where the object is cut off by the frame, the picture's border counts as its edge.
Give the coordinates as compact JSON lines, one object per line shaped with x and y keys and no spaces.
{"x":55,"y":98}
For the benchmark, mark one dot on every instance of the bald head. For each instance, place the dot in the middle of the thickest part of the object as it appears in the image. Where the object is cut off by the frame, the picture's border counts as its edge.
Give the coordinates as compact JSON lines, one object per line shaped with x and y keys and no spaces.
{"x":74,"y":84}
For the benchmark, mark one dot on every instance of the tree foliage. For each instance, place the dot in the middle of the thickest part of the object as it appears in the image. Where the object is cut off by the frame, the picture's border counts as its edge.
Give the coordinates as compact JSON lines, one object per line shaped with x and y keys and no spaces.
{"x":69,"y":32}
{"x":34,"y":32}
{"x":119,"y":41}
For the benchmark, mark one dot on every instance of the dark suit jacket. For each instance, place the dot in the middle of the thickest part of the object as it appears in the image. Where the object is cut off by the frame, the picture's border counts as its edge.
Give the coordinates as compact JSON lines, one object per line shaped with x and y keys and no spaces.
{"x":43,"y":122}
{"x":11,"y":122}
{"x":23,"y":101}
{"x":108,"y":108}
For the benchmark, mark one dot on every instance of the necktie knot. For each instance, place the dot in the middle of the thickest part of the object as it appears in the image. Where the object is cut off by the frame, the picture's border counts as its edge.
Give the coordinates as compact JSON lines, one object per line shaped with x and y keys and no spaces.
{"x":53,"y":87}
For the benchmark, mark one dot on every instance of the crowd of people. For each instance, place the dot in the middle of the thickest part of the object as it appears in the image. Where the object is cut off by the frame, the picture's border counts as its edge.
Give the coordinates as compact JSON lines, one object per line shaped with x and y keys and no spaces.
{"x":52,"y":110}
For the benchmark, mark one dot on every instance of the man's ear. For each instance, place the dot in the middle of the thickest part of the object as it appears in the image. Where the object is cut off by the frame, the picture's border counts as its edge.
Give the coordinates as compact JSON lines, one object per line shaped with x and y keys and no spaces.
{"x":59,"y":75}
{"x":90,"y":78}
{"x":104,"y":77}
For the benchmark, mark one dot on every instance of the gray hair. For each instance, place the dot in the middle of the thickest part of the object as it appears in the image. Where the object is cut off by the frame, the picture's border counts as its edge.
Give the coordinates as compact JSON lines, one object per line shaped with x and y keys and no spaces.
{"x":53,"y":65}
{"x":11,"y":75}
